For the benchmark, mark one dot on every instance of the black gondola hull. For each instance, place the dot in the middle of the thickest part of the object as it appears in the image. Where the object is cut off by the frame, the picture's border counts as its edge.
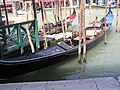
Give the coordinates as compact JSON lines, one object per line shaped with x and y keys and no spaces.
{"x":44,"y":58}
{"x":15,"y":69}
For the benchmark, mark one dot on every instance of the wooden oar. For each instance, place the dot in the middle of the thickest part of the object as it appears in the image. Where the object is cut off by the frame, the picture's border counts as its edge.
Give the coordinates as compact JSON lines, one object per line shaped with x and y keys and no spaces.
{"x":63,"y":30}
{"x":105,"y":39}
{"x":117,"y":16}
{"x":30,"y":40}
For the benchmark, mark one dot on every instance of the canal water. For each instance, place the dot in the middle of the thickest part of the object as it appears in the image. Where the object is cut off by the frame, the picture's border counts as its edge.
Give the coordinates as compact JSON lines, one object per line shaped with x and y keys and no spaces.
{"x":102,"y":60}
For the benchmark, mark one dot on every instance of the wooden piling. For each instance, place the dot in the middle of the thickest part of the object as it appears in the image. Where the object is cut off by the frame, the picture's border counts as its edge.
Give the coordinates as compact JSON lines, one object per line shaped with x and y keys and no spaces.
{"x":31,"y":9}
{"x":82,"y":27}
{"x":65,"y":15}
{"x":57,"y":10}
{"x":14,"y":8}
{"x":54,"y":12}
{"x":80,"y":31}
{"x":43,"y":26}
{"x":46,"y":19}
{"x":90,"y":12}
{"x":63,"y":30}
{"x":105,"y":38}
{"x":71,"y":29}
{"x":26,"y":10}
{"x":117,"y":16}
{"x":83,"y":30}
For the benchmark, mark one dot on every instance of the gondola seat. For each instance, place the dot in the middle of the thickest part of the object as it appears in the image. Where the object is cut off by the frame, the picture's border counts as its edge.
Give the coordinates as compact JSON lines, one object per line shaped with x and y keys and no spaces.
{"x":92,"y":32}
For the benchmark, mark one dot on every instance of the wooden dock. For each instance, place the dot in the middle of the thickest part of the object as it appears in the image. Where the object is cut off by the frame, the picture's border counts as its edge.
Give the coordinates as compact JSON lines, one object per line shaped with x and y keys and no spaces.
{"x":105,"y":83}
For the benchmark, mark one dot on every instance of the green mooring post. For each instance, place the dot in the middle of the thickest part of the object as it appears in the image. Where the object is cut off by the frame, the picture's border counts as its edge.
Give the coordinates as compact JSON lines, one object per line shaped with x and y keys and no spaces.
{"x":35,"y":26}
{"x":20,"y":40}
{"x":1,"y":50}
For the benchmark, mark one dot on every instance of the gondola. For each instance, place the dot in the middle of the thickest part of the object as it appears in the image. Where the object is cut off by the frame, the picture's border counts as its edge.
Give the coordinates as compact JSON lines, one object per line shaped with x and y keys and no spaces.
{"x":111,"y":6}
{"x":92,"y":6}
{"x":15,"y":66}
{"x":54,"y":28}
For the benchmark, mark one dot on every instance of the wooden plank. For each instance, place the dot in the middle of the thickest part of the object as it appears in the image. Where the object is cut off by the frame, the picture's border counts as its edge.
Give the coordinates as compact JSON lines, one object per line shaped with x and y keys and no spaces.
{"x":83,"y":84}
{"x":34,"y":86}
{"x":87,"y":84}
{"x":10,"y":86}
{"x":107,"y":83}
{"x":63,"y":85}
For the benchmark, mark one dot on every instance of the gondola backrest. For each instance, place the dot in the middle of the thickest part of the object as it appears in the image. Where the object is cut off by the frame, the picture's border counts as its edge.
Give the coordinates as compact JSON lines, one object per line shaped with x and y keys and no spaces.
{"x":109,"y":17}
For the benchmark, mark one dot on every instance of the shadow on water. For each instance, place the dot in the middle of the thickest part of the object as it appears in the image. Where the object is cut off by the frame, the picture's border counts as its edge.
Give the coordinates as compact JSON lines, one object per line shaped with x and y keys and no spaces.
{"x":102,"y":60}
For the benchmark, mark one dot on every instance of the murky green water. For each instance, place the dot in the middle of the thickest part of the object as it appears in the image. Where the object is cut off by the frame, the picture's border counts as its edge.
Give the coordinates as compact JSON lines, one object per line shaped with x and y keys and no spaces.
{"x":102,"y":60}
